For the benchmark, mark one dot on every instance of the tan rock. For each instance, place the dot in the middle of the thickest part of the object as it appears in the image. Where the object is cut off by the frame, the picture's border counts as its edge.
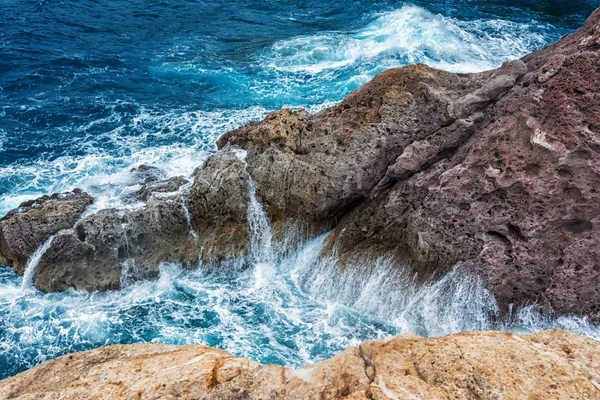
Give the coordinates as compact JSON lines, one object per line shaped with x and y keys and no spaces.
{"x":480,"y":365}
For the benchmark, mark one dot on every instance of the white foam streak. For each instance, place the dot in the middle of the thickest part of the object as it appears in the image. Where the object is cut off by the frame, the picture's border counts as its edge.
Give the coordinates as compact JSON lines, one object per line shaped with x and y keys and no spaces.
{"x":33,"y":262}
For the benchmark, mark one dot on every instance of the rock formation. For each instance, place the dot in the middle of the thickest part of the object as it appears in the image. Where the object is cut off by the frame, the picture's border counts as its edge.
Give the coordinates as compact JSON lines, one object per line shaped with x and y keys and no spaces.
{"x":24,"y":229}
{"x":498,"y":171}
{"x":486,"y":365}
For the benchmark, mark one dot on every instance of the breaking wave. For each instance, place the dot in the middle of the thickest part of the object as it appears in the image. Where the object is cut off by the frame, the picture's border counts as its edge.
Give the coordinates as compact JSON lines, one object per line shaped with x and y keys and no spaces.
{"x":407,"y":36}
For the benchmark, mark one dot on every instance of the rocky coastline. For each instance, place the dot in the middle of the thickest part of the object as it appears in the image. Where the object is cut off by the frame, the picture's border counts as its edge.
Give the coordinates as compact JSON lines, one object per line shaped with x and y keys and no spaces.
{"x":497,"y":172}
{"x":482,"y":365}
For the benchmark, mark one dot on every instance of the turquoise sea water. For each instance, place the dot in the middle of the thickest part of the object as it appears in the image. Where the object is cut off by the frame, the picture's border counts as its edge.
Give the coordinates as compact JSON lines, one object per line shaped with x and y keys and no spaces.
{"x":91,"y":88}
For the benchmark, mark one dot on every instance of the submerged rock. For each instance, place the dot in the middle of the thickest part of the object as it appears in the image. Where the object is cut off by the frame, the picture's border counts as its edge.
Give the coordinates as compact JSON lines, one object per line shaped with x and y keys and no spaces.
{"x":486,"y":365}
{"x":26,"y":228}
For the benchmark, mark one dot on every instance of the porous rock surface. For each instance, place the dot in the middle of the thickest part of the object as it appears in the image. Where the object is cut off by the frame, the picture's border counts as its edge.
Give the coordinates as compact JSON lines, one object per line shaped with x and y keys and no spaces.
{"x":485,"y":365}
{"x":498,"y":170}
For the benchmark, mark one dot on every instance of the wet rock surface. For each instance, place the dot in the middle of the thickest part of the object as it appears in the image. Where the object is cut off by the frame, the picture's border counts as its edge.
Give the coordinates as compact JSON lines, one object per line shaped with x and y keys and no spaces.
{"x":498,"y":170}
{"x":169,"y":185}
{"x":111,"y":248}
{"x":26,"y":228}
{"x":486,"y":365}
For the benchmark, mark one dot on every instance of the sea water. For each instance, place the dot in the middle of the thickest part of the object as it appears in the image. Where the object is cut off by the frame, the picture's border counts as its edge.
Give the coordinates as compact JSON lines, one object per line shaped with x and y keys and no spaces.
{"x":91,"y":89}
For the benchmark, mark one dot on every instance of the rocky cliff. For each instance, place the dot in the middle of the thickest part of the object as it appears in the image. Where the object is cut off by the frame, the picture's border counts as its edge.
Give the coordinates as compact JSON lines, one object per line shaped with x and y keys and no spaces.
{"x":498,"y":171}
{"x":486,"y":365}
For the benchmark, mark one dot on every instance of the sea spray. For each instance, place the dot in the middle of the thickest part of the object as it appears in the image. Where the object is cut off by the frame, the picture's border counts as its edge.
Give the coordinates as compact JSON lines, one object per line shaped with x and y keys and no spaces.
{"x":183,"y":191}
{"x":307,"y":310}
{"x":262,"y":253}
{"x":33,"y":262}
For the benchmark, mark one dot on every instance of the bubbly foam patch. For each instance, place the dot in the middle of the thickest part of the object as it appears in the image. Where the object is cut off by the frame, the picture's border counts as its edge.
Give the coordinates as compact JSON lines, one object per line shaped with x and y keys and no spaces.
{"x":175,"y":142}
{"x":406,"y":36}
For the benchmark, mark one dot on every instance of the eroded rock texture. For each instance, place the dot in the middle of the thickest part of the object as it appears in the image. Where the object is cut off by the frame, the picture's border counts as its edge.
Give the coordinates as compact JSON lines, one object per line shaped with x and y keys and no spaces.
{"x":498,"y":170}
{"x":485,"y":365}
{"x":26,"y":228}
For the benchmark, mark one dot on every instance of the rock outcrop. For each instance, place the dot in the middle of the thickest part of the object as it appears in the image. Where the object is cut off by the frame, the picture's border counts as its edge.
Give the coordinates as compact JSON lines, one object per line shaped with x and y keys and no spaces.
{"x":498,"y":171}
{"x":485,"y":365}
{"x":26,"y":228}
{"x":202,"y":223}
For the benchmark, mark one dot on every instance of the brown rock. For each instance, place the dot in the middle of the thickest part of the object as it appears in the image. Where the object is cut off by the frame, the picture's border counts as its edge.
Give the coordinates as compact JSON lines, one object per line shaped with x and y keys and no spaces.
{"x":218,"y":203}
{"x":160,"y":186}
{"x":498,"y":170}
{"x":486,"y":365}
{"x":517,"y":201}
{"x":112,"y":247}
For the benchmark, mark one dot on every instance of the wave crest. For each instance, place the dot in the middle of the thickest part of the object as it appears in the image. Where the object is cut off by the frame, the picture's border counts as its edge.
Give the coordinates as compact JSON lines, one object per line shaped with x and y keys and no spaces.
{"x":409,"y":35}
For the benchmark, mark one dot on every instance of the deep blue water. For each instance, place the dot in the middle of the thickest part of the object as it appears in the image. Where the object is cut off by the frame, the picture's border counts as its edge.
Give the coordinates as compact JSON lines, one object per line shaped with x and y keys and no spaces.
{"x":91,"y":88}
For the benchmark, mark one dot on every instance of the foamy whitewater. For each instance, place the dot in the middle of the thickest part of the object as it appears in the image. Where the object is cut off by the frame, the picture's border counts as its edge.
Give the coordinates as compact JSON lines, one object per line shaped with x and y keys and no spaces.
{"x":91,"y":89}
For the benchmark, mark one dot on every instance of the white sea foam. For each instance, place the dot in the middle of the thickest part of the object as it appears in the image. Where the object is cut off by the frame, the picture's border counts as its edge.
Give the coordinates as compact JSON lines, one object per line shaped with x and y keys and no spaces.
{"x":33,"y":262}
{"x":296,"y":309}
{"x":406,"y":36}
{"x":106,"y":175}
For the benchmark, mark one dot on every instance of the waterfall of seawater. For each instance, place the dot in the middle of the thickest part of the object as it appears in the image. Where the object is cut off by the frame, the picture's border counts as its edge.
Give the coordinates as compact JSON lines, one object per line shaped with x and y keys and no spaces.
{"x":33,"y":262}
{"x":262,"y":252}
{"x":183,"y":190}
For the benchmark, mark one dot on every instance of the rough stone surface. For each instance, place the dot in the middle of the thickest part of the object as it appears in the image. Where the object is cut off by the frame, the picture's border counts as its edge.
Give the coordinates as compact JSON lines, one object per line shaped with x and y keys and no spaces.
{"x":146,"y":174}
{"x":161,"y":186}
{"x":111,"y":248}
{"x":26,"y":228}
{"x":498,"y":170}
{"x":485,"y":365}
{"x":218,"y":203}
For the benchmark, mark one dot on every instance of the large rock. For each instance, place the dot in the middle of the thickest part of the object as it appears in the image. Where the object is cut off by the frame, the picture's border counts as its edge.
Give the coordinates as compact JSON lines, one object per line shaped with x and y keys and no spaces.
{"x":26,"y":228}
{"x":498,"y":170}
{"x":218,"y":203}
{"x":111,"y":248}
{"x":486,"y":365}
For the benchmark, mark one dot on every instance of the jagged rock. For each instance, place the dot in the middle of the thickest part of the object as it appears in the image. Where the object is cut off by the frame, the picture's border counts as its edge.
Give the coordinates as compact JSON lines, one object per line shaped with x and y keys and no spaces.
{"x":24,"y":229}
{"x":161,"y":186}
{"x":146,"y":174}
{"x":218,"y":203}
{"x":111,"y":247}
{"x":499,"y":170}
{"x":486,"y":365}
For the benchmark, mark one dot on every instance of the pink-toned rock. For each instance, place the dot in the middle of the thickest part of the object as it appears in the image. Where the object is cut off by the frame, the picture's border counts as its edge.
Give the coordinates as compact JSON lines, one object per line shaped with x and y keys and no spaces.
{"x":498,"y":170}
{"x":485,"y":365}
